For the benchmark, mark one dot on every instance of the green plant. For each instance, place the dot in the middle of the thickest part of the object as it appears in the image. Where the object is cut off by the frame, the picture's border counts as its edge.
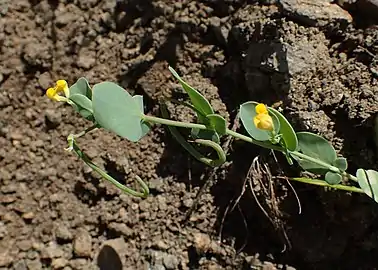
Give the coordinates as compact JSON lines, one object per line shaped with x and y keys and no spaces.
{"x":109,"y":106}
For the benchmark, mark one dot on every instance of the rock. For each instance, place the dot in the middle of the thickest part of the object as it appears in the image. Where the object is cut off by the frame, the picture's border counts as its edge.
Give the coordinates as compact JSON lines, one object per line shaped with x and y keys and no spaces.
{"x":52,"y":118}
{"x":20,"y":265}
{"x":202,"y":242}
{"x":170,"y":261}
{"x":37,"y":54}
{"x":28,"y":216}
{"x":111,"y":253}
{"x":59,"y":263}
{"x":51,"y":251}
{"x":24,"y":245}
{"x":45,"y":81}
{"x":121,"y":229}
{"x":34,"y":264}
{"x":86,"y":59}
{"x":63,"y":233}
{"x":315,"y":13}
{"x":3,"y":230}
{"x":82,"y":243}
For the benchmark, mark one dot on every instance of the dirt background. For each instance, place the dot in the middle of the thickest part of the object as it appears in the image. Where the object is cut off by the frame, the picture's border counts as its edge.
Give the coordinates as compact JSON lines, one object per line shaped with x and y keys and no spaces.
{"x":316,"y":61}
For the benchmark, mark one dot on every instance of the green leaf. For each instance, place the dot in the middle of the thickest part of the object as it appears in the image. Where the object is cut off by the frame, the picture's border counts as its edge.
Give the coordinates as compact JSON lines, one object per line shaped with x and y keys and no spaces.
{"x":316,"y":147}
{"x":205,"y":134}
{"x":333,"y":178}
{"x":341,"y":163}
{"x":82,"y":105}
{"x":368,"y":181}
{"x":247,"y":113}
{"x":286,"y":130}
{"x":81,"y":87}
{"x":117,"y":111}
{"x":198,"y":100}
{"x":218,"y":123}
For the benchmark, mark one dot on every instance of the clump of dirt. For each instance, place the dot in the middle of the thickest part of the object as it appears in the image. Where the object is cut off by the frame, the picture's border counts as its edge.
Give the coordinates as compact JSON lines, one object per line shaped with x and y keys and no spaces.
{"x":56,"y":213}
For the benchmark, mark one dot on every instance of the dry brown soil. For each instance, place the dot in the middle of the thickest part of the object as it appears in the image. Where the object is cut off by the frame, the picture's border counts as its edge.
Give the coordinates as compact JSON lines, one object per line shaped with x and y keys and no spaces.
{"x":55,"y":213}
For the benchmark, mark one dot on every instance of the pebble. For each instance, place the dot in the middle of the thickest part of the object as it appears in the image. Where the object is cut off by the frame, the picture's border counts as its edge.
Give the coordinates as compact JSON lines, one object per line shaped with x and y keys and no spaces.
{"x":20,"y":265}
{"x":121,"y":228}
{"x":34,"y":265}
{"x":28,"y":216}
{"x":315,"y":13}
{"x":170,"y":261}
{"x":52,"y":118}
{"x":82,"y":243}
{"x":86,"y":59}
{"x":63,"y":233}
{"x":59,"y":263}
{"x":24,"y":245}
{"x":51,"y":251}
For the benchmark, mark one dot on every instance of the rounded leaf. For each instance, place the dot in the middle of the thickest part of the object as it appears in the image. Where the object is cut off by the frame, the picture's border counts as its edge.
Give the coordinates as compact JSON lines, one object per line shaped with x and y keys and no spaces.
{"x":316,"y":147}
{"x":218,"y":123}
{"x":368,"y":182}
{"x":341,"y":163}
{"x":333,"y":178}
{"x":286,"y":130}
{"x":116,"y":110}
{"x":247,"y":113}
{"x":81,"y":87}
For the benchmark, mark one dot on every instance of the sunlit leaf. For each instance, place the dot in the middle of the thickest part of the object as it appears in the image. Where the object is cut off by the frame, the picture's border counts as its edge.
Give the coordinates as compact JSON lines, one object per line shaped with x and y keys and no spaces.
{"x":368,"y":181}
{"x":117,"y":111}
{"x":81,"y":87}
{"x":247,"y":113}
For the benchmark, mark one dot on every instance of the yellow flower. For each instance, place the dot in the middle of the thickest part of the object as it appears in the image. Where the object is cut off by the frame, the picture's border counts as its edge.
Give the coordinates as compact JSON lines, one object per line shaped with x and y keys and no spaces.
{"x":61,"y":86}
{"x":263,"y":120}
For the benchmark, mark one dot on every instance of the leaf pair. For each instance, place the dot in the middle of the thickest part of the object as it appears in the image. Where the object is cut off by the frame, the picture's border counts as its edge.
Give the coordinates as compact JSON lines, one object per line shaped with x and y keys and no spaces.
{"x":205,"y":114}
{"x":111,"y":107}
{"x":281,"y":126}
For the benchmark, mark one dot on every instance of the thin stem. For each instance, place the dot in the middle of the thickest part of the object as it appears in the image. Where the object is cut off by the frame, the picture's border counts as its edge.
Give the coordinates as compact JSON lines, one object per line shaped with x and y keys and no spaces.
{"x":316,"y":161}
{"x":85,"y":131}
{"x":325,"y":184}
{"x":168,"y":122}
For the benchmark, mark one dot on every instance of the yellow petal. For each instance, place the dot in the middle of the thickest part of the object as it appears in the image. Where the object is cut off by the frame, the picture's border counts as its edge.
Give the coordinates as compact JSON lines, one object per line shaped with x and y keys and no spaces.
{"x":51,"y":93}
{"x":62,"y":86}
{"x":261,"y":109}
{"x":264,"y":122}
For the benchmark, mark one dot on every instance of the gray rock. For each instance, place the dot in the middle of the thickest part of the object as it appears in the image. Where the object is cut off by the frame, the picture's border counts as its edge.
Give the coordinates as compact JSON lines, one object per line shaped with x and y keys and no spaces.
{"x":52,"y":118}
{"x":45,"y":81}
{"x":315,"y":13}
{"x":59,"y":263}
{"x":170,"y":261}
{"x":82,"y":243}
{"x":63,"y":233}
{"x":34,"y":264}
{"x":20,"y":265}
{"x":86,"y":59}
{"x":51,"y":251}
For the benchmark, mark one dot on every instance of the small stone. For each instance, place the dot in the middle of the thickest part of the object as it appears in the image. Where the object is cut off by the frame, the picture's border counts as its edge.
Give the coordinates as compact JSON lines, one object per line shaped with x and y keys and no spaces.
{"x":170,"y":261}
{"x":52,"y":118}
{"x":202,"y":242}
{"x":82,"y":243}
{"x":51,"y":251}
{"x":121,"y":229}
{"x":24,"y":245}
{"x":63,"y":233}
{"x":34,"y":264}
{"x":20,"y":265}
{"x":315,"y":13}
{"x":86,"y":59}
{"x":28,"y":216}
{"x":45,"y":81}
{"x":78,"y":263}
{"x":59,"y":263}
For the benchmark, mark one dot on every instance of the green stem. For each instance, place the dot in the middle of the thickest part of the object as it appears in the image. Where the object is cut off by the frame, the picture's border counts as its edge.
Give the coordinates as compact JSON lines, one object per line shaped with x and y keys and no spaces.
{"x":325,"y":184}
{"x":85,"y":131}
{"x":249,"y":140}
{"x":168,"y":122}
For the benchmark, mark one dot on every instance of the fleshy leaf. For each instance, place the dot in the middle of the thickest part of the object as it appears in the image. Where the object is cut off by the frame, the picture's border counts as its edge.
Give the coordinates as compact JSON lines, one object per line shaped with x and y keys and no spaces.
{"x":218,"y":123}
{"x":333,"y":178}
{"x":368,"y":181}
{"x":286,"y":130}
{"x":81,"y":87}
{"x":341,"y":163}
{"x":197,"y":99}
{"x":247,"y":113}
{"x":82,"y":105}
{"x":316,"y":147}
{"x":117,"y":111}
